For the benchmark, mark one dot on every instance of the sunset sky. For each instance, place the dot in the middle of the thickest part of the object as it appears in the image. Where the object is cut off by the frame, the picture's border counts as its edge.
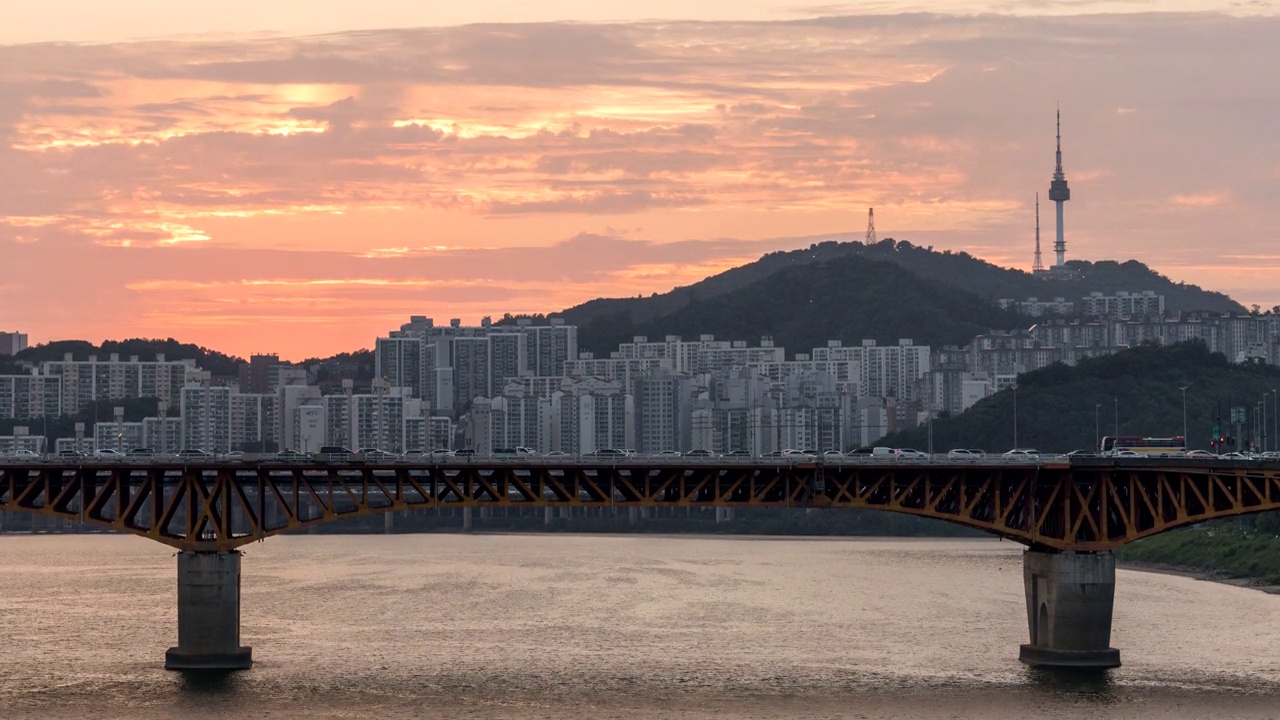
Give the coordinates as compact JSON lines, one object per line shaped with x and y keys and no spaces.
{"x":299,"y":177}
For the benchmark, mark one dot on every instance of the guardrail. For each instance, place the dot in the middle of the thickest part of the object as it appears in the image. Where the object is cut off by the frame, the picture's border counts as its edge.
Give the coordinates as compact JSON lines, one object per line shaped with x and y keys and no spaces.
{"x":655,"y":460}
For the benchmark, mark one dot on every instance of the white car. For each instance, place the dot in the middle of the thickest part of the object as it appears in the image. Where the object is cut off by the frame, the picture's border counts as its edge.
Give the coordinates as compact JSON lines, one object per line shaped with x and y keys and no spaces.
{"x":109,"y":454}
{"x":26,"y":454}
{"x":910,"y":454}
{"x":1022,"y":453}
{"x":963,"y":454}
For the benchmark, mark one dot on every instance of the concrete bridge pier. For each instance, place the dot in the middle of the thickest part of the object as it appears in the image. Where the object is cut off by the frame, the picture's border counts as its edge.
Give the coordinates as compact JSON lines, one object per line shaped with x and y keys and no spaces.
{"x":1070,"y":597}
{"x":208,"y":614}
{"x":466,"y":518}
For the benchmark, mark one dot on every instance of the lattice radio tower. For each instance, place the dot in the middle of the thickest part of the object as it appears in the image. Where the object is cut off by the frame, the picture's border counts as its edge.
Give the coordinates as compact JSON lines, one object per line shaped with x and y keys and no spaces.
{"x":1038,"y":265}
{"x":871,"y":226}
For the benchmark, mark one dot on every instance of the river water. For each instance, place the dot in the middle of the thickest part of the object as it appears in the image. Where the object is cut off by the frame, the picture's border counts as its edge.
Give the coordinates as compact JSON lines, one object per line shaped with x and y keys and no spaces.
{"x":599,"y":627}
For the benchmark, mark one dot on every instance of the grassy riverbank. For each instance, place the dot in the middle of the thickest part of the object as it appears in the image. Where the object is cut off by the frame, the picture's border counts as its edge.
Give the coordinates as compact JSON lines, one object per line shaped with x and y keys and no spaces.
{"x":1222,"y":552}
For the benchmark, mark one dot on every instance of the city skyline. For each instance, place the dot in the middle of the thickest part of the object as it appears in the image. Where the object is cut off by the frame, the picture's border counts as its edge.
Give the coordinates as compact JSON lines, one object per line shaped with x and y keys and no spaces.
{"x":284,"y":193}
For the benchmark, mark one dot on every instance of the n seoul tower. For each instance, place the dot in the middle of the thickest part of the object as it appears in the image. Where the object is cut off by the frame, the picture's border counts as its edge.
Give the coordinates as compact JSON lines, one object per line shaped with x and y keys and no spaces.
{"x":1059,"y":193}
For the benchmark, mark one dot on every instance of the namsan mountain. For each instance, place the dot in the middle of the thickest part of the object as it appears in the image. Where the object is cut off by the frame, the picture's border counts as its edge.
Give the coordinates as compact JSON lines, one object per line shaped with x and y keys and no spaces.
{"x":851,"y":290}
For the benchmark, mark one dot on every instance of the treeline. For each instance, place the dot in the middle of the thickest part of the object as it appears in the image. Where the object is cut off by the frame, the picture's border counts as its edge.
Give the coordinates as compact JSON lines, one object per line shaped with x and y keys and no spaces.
{"x":1135,"y":392}
{"x":220,"y":364}
{"x":1246,"y":548}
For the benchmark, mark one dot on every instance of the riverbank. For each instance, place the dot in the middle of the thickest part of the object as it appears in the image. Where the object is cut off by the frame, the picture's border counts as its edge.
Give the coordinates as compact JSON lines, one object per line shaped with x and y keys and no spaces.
{"x":1221,"y":555}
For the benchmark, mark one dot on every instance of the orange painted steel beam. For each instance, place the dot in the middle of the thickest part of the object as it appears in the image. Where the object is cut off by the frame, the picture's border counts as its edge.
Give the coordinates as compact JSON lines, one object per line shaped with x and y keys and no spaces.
{"x":222,"y":506}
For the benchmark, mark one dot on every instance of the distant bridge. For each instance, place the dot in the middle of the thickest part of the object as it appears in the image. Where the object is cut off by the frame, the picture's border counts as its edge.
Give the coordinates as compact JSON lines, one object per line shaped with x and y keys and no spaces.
{"x":1069,"y":512}
{"x":1080,"y":504}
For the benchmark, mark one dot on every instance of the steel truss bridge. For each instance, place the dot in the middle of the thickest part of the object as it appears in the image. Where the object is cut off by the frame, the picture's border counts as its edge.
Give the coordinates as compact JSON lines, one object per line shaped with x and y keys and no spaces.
{"x":1084,"y":505}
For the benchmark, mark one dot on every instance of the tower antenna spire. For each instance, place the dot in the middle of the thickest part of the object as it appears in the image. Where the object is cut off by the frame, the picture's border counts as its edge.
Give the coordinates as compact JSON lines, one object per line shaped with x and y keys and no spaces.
{"x":871,"y":226}
{"x":1058,"y":155}
{"x":1059,"y":193}
{"x":1038,"y":265}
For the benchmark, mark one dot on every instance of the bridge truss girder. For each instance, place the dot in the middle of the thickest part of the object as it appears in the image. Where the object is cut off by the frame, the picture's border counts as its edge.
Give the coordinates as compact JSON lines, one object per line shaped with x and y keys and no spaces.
{"x":1051,"y":507}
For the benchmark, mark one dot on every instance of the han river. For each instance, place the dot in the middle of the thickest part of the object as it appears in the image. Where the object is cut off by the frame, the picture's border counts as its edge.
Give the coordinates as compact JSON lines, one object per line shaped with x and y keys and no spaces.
{"x":599,"y":627}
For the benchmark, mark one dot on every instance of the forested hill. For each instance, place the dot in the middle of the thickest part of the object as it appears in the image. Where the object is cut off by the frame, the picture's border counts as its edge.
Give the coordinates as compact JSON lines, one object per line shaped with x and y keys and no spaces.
{"x":803,"y":306}
{"x":957,"y":270}
{"x":1139,"y":387}
{"x":991,"y":281}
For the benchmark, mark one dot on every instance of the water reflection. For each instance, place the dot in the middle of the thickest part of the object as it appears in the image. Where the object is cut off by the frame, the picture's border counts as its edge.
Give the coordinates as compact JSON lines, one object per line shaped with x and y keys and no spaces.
{"x":586,"y":628}
{"x":208,"y":682}
{"x":1084,"y":683}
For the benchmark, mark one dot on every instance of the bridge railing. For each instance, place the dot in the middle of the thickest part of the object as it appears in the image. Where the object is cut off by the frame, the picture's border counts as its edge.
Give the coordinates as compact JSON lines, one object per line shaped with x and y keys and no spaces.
{"x":544,"y":460}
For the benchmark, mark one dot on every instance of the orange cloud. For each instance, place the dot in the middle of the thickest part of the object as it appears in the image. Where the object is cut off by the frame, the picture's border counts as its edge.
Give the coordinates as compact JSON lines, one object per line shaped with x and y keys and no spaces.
{"x":246,"y":191}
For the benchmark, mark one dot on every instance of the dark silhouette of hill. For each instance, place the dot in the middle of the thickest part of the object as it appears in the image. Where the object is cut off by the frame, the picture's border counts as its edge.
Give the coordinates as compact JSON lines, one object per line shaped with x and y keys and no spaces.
{"x":803,"y":305}
{"x":958,"y":270}
{"x":1137,"y":390}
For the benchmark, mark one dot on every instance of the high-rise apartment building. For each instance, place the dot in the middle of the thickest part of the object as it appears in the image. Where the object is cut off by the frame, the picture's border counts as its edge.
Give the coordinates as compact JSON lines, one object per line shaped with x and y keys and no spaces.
{"x":254,"y":422}
{"x":206,"y":418}
{"x":87,"y":382}
{"x":24,"y":397}
{"x":12,"y":343}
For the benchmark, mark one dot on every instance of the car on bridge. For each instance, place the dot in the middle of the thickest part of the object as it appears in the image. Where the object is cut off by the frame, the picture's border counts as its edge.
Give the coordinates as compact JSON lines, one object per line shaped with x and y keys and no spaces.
{"x":737,"y":453}
{"x":194,"y":454}
{"x":1200,"y":454}
{"x":965,"y":454}
{"x":1021,"y":453}
{"x":25,"y":454}
{"x":911,"y":454}
{"x":335,"y":453}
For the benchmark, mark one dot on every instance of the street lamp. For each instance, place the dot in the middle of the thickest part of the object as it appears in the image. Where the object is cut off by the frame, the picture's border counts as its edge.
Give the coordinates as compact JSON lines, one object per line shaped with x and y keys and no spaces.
{"x":1097,"y":427}
{"x":1262,"y":420}
{"x":1015,"y":416}
{"x":1117,"y":402}
{"x":1183,"y":388}
{"x":1275,"y":415}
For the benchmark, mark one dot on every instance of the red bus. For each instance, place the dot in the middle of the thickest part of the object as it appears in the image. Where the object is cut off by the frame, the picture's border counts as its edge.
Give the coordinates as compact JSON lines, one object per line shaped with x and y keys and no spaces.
{"x":1175,"y":446}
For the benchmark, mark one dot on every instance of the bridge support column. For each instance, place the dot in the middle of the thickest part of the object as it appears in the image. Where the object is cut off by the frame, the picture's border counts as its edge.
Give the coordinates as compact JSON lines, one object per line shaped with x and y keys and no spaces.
{"x":466,"y":518}
{"x":547,"y":516}
{"x":208,"y":614}
{"x":388,"y":523}
{"x":1069,"y":601}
